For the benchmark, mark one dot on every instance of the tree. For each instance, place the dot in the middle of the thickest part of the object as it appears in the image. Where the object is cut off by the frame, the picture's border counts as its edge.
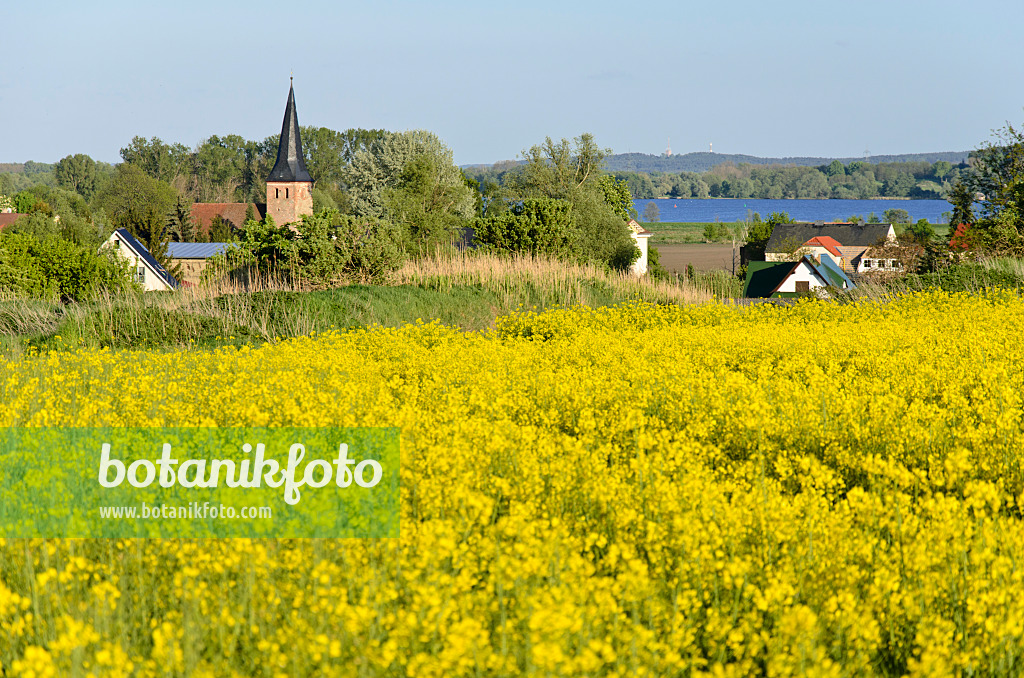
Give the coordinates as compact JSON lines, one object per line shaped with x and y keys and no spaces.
{"x":616,"y":194}
{"x":427,"y":207}
{"x":534,"y":226}
{"x":922,"y":232}
{"x":376,"y":171}
{"x":141,"y":204}
{"x":899,"y":185}
{"x":651,"y":213}
{"x":558,"y":170}
{"x":157,"y":159}
{"x":836,"y":169}
{"x":572,"y":171}
{"x":77,"y":173}
{"x":761,"y":231}
{"x":896,"y":216}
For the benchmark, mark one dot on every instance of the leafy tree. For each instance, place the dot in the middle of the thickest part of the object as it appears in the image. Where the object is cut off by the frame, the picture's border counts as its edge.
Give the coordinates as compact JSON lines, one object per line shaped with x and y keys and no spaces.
{"x":836,"y":169}
{"x":54,"y":266}
{"x":428,"y":208}
{"x":899,"y":185}
{"x":941,"y":168}
{"x":761,"y":231}
{"x":159,"y":160}
{"x":133,"y":192}
{"x":323,"y":250}
{"x":374,"y":173}
{"x":990,"y":195}
{"x":77,"y":173}
{"x":896,"y":216}
{"x":558,"y":170}
{"x":921,"y":232}
{"x":534,"y":226}
{"x":651,"y":213}
{"x":572,"y":171}
{"x":141,"y":204}
{"x":616,"y":194}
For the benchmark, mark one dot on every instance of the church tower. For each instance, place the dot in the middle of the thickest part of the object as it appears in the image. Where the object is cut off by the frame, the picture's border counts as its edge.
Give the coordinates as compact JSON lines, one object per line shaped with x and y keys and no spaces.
{"x":289,"y":186}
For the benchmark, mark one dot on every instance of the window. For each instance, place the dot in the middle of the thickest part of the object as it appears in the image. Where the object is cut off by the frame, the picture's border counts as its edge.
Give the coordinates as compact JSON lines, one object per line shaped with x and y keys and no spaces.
{"x":286,"y":193}
{"x":803,"y":286}
{"x":277,"y":192}
{"x":141,"y":274}
{"x":867,"y":263}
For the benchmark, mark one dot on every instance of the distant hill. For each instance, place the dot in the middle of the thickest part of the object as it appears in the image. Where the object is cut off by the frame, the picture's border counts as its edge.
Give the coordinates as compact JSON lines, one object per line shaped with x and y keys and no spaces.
{"x":704,"y":161}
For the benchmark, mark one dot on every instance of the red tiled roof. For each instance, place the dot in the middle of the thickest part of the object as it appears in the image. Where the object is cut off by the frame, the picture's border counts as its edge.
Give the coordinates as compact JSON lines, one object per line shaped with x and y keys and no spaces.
{"x":826,"y":241}
{"x":8,"y":218}
{"x":233,"y":212}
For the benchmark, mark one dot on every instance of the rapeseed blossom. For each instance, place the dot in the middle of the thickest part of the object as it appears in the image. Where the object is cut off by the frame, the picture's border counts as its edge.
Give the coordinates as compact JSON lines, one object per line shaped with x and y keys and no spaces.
{"x":649,"y":490}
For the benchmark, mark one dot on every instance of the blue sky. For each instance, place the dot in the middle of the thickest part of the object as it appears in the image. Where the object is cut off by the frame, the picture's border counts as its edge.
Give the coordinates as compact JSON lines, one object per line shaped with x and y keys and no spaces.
{"x":784,"y":78}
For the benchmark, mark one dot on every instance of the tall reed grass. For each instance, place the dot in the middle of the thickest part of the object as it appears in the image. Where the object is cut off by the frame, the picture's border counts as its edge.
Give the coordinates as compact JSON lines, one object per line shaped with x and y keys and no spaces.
{"x":467,"y":290}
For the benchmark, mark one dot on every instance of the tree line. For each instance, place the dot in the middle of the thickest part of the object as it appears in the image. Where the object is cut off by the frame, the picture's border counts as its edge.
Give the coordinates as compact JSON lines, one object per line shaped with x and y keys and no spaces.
{"x":402,"y":187}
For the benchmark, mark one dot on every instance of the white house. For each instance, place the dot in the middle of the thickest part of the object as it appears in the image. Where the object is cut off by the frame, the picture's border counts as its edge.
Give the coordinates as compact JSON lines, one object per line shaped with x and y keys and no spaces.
{"x":844,"y":243}
{"x":767,"y":279}
{"x":640,"y":237}
{"x":146,"y":270}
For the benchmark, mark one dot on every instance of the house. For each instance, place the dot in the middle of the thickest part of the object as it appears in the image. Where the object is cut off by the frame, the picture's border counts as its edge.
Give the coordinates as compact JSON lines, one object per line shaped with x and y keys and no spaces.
{"x":824,"y":246}
{"x":146,"y":270}
{"x":191,"y":258}
{"x":640,"y":237}
{"x":780,"y":279}
{"x":852,"y":240}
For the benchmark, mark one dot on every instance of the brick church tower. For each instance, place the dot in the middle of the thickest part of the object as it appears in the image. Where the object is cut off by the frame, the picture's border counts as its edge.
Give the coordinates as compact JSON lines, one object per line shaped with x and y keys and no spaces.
{"x":289,"y":186}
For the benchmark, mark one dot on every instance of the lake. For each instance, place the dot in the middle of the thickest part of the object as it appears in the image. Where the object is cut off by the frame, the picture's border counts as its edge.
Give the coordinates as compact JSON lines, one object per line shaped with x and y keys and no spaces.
{"x":735,"y":209}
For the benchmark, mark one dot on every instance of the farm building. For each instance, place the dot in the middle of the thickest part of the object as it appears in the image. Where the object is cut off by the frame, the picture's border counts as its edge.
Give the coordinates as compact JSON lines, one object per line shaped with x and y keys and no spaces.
{"x":844,"y":243}
{"x":780,"y":279}
{"x":191,"y":258}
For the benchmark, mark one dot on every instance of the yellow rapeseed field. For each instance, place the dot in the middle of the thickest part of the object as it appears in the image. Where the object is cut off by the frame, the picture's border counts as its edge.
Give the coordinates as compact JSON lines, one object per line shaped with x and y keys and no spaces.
{"x":821,"y":490}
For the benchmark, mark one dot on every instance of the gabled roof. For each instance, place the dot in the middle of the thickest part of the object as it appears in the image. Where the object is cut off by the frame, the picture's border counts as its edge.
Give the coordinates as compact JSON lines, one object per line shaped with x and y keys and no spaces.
{"x":831,"y":273}
{"x":764,"y":278}
{"x":233,"y":212}
{"x":849,"y":235}
{"x":194,"y":250}
{"x":637,"y":229}
{"x":828,"y":242}
{"x":140,"y":251}
{"x":290,"y":165}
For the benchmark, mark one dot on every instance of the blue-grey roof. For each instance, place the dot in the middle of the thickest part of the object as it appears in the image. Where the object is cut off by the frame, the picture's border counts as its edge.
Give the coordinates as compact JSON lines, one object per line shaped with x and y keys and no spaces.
{"x":832,"y":273}
{"x":144,"y":254}
{"x":195,"y":250}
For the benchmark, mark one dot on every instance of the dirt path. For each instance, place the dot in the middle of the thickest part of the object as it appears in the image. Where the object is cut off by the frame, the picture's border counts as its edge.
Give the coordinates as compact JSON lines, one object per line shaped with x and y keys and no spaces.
{"x":704,"y":257}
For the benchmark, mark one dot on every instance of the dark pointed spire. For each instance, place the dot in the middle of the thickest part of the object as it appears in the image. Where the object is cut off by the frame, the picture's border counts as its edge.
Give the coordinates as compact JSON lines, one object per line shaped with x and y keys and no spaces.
{"x":290,"y":165}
